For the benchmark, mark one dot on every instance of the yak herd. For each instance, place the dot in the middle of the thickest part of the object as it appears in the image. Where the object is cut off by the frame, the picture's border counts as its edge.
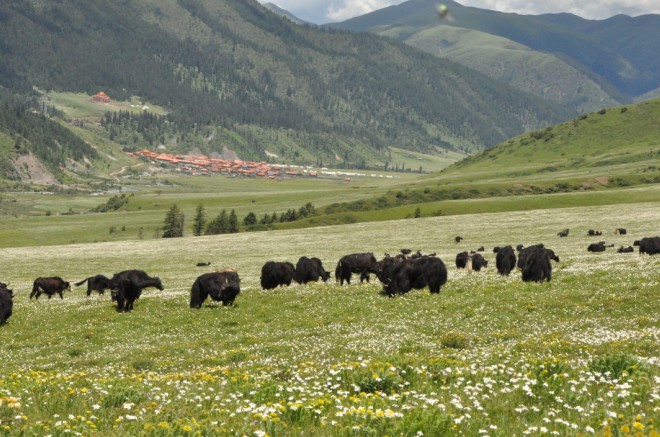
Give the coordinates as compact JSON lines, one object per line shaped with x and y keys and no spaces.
{"x":398,"y":274}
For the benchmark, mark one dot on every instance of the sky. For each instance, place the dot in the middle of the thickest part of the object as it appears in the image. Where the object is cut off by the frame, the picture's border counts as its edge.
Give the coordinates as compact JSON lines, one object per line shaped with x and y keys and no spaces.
{"x":323,"y":11}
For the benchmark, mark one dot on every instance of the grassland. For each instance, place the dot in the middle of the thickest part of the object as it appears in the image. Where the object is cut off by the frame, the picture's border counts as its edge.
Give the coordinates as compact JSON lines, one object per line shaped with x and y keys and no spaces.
{"x":489,"y":355}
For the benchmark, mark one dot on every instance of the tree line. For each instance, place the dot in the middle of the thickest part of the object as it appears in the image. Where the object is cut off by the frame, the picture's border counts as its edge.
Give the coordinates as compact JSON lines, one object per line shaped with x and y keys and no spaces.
{"x":227,"y":222}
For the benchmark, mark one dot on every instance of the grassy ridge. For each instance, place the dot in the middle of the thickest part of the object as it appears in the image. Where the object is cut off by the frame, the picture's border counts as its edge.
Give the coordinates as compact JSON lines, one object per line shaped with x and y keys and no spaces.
{"x":488,"y":353}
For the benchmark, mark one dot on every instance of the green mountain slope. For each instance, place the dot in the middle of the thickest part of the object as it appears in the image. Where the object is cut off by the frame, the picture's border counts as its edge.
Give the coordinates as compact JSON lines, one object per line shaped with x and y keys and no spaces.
{"x":594,"y":63}
{"x":232,"y":74}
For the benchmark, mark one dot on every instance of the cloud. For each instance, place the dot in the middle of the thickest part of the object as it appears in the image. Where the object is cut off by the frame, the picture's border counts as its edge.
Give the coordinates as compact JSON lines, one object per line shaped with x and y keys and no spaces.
{"x":591,"y":9}
{"x":343,"y":10}
{"x":322,"y":11}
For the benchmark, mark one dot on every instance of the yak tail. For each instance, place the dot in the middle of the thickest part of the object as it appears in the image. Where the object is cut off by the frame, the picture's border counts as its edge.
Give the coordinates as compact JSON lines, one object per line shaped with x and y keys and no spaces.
{"x":338,"y":272}
{"x":82,"y":282}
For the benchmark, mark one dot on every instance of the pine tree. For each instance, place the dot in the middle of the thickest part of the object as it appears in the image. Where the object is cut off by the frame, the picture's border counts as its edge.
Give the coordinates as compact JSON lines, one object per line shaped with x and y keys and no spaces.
{"x":199,"y":222}
{"x":173,"y":226}
{"x":250,"y":219}
{"x":233,"y":222}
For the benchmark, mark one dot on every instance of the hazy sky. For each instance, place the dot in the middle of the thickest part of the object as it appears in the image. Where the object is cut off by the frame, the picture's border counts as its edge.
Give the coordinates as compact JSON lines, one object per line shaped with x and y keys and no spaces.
{"x":323,"y":11}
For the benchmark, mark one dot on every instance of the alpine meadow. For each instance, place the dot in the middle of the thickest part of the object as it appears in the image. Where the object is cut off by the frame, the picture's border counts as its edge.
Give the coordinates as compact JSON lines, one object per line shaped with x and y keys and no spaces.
{"x":162,"y":161}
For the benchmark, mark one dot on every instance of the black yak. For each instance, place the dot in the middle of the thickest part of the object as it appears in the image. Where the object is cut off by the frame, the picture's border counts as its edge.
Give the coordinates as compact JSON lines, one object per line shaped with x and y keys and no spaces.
{"x":505,"y":260}
{"x":628,"y":249}
{"x":98,"y":283}
{"x":563,"y":233}
{"x":49,"y":286}
{"x":275,"y":273}
{"x":6,"y":302}
{"x":650,"y":245}
{"x":310,"y":270}
{"x":536,"y":264}
{"x":462,"y":259}
{"x":362,"y":263}
{"x":597,"y":247}
{"x":620,"y":231}
{"x":402,"y":275}
{"x":126,"y":287}
{"x":222,"y":286}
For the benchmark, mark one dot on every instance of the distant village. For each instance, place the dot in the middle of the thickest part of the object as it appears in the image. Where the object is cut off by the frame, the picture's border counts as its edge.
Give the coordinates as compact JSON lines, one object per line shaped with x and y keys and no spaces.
{"x":203,"y":165}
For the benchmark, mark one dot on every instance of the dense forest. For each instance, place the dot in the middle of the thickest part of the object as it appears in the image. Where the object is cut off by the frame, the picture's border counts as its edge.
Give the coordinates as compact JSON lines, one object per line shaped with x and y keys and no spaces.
{"x":232,"y":74}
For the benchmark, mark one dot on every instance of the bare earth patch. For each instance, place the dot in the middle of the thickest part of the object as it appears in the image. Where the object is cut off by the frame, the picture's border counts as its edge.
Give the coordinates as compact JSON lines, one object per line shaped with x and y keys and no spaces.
{"x":31,"y":170}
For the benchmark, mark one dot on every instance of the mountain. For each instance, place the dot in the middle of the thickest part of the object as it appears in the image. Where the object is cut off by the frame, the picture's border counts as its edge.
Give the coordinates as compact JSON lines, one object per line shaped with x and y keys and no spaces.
{"x":283,"y":13}
{"x":231,"y":74}
{"x":584,"y":64}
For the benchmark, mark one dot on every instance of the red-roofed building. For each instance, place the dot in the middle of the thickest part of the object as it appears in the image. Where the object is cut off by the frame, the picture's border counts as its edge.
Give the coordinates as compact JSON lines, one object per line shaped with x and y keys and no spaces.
{"x":101,"y":97}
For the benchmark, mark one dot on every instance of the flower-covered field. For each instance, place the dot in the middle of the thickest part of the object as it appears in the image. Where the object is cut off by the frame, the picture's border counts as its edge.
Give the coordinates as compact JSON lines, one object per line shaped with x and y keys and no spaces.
{"x":488,"y":356}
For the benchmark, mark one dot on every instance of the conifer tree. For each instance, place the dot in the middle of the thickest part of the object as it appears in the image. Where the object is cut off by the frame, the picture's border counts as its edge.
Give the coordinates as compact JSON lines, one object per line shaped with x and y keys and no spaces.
{"x":199,"y":221}
{"x":174,"y":220}
{"x":232,"y":225}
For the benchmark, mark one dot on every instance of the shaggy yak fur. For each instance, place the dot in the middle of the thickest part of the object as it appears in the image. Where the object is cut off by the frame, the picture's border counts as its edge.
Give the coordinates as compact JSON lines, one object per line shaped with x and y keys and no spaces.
{"x":399,"y":276}
{"x":276,"y":273}
{"x":310,"y":270}
{"x":49,"y":286}
{"x":536,"y":264}
{"x":362,"y":263}
{"x":98,"y":283}
{"x":126,"y":287}
{"x":222,"y":286}
{"x":505,"y":260}
{"x":650,"y":245}
{"x":6,"y":302}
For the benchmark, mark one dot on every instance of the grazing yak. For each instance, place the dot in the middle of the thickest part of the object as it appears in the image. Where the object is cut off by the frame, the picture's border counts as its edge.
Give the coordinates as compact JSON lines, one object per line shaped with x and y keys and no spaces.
{"x":203,"y":264}
{"x":462,"y":259}
{"x":98,"y":283}
{"x":126,"y":287}
{"x":563,"y":233}
{"x":628,"y":249}
{"x":49,"y":286}
{"x":400,"y":275}
{"x":650,"y":245}
{"x":524,"y":253}
{"x":536,"y":264}
{"x":505,"y":260}
{"x":597,"y":247}
{"x":6,"y":302}
{"x":620,"y":231}
{"x":458,"y":239}
{"x":275,"y":273}
{"x":592,"y":232}
{"x":362,"y":263}
{"x":310,"y":270}
{"x":471,"y":261}
{"x":222,"y":286}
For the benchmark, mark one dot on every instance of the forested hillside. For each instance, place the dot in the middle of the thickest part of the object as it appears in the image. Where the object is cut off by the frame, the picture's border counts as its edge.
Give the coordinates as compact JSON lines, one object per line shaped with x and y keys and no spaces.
{"x":233,"y":74}
{"x":584,"y":64}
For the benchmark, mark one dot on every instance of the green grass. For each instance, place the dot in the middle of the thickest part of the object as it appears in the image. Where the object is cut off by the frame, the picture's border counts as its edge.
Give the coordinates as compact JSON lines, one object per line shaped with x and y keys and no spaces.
{"x":77,"y":105}
{"x":487,"y":355}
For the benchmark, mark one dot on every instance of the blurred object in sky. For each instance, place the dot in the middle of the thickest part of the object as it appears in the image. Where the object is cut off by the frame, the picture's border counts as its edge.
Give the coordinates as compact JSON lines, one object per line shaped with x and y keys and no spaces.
{"x":443,"y":12}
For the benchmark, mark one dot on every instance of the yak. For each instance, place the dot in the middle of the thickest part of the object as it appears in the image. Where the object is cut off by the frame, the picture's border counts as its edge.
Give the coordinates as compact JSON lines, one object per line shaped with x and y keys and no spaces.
{"x":650,"y":245}
{"x":462,"y":260}
{"x":536,"y":264}
{"x":6,"y":302}
{"x":563,"y":233}
{"x":222,"y":286}
{"x":597,"y":247}
{"x":275,"y":273}
{"x":310,"y":270}
{"x":362,"y":263}
{"x":477,"y":262}
{"x":628,"y":249}
{"x":98,"y":283}
{"x":620,"y":231}
{"x":126,"y":287}
{"x":592,"y":232}
{"x":505,"y":260}
{"x":522,"y":255}
{"x":399,"y":276}
{"x":49,"y":286}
